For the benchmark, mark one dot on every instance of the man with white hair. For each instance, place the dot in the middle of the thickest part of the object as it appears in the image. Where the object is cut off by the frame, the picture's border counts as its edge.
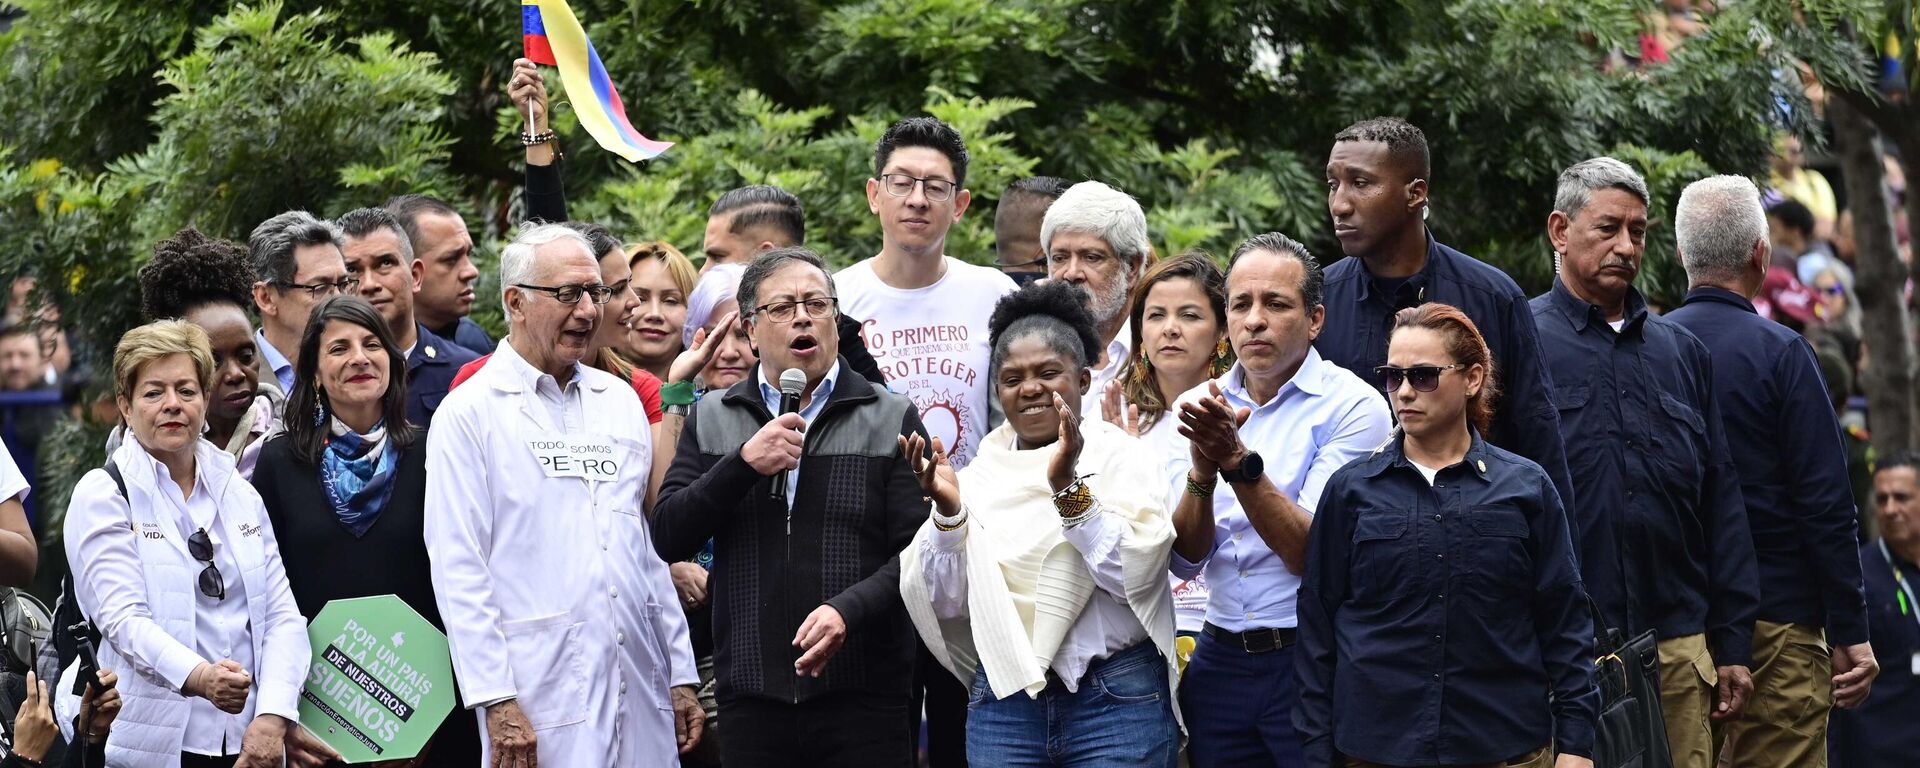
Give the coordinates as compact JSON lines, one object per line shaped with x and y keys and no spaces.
{"x":563,"y":624}
{"x":1095,"y":239}
{"x":1660,"y":527}
{"x":1793,"y":476}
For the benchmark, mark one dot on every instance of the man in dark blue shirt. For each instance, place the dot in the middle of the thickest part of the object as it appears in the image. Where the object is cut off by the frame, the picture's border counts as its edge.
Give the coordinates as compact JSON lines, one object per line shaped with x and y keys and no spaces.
{"x":1377,"y":195}
{"x":380,"y":256}
{"x":1661,"y":527}
{"x":1793,"y":476}
{"x":1882,"y":732}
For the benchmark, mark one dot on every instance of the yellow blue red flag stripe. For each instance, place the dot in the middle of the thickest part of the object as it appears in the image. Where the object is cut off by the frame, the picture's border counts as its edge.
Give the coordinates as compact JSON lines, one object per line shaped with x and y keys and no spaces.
{"x":554,"y":37}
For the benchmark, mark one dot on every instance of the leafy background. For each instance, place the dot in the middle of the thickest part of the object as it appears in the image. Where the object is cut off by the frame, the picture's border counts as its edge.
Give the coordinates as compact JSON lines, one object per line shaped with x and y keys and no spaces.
{"x":128,"y":119}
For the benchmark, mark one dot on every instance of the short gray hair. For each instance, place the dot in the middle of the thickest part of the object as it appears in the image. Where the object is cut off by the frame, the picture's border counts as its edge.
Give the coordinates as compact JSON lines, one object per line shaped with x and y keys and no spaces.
{"x":764,"y":265}
{"x":516,"y":260}
{"x":1102,"y":211}
{"x":362,"y":222}
{"x":272,"y":244}
{"x":1579,"y":181}
{"x":1716,"y":222}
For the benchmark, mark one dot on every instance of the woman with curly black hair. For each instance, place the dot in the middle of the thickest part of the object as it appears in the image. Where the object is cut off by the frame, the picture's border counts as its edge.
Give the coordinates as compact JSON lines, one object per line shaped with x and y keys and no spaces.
{"x":1045,"y":586}
{"x":209,"y":282}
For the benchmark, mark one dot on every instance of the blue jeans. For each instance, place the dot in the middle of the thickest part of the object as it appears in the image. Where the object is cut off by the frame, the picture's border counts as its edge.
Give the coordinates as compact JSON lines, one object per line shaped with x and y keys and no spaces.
{"x":1121,"y":716}
{"x":1239,"y":707}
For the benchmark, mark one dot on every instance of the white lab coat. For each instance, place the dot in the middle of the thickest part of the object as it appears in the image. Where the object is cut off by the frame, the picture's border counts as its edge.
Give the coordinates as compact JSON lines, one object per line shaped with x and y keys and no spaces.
{"x":137,"y":581}
{"x":550,"y":588}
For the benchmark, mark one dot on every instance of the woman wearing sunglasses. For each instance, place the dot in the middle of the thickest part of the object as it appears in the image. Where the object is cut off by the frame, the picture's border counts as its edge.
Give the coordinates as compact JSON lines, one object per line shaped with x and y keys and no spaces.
{"x":1442,"y":620}
{"x":345,"y":486}
{"x":182,"y":575}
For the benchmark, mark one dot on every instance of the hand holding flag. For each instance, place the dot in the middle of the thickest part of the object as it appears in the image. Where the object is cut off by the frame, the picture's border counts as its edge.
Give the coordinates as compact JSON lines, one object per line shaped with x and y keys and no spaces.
{"x":554,"y":37}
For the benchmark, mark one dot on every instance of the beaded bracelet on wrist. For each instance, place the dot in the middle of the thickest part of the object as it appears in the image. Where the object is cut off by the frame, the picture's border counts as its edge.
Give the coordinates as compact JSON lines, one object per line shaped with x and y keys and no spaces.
{"x":530,"y":139}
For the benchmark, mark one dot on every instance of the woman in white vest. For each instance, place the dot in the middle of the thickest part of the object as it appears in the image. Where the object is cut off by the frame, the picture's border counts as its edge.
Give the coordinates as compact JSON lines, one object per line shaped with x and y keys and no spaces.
{"x":182,"y":575}
{"x":1044,"y":583}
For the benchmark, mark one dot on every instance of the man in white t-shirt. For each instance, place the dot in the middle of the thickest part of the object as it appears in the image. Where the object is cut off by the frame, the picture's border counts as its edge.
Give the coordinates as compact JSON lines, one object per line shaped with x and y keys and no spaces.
{"x":925,"y":312}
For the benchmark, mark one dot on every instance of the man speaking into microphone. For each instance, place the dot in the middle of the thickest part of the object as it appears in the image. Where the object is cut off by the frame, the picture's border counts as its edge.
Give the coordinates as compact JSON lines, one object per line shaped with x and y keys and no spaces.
{"x":808,"y":504}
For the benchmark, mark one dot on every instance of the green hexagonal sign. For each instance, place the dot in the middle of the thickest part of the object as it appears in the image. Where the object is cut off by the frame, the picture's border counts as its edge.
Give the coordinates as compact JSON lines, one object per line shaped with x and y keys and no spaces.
{"x":381,"y":680}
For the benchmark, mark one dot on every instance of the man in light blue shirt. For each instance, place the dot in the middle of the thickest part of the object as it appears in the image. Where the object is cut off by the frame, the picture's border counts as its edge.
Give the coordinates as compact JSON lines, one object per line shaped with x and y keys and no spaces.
{"x":1275,"y":428}
{"x":272,"y":362}
{"x":298,"y":263}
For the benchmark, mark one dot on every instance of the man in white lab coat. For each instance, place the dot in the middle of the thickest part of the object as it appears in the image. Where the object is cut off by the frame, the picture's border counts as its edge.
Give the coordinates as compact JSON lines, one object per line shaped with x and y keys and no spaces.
{"x":564,"y":626}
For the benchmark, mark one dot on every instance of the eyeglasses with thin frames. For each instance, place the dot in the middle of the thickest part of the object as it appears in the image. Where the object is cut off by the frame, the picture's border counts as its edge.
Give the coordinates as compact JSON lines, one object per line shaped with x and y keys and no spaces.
{"x":323,"y":289}
{"x":570,"y":294}
{"x":1425,"y":378}
{"x":782,"y":311}
{"x":901,"y":185}
{"x":200,"y":545}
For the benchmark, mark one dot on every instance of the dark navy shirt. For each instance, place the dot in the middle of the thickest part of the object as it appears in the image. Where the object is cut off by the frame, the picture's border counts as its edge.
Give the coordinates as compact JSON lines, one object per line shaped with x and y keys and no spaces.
{"x":1793,"y":469}
{"x":1360,"y":309}
{"x":1442,"y":624}
{"x":1661,"y":527}
{"x":1885,"y":731}
{"x":469,"y":334}
{"x":430,"y":371}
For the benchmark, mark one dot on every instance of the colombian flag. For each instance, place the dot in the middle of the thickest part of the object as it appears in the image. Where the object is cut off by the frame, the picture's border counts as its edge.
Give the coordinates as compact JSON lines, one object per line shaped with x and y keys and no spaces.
{"x":555,"y":38}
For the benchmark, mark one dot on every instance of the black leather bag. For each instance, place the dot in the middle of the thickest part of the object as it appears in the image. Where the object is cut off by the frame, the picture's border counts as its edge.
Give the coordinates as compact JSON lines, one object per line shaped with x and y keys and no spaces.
{"x":1631,"y":732}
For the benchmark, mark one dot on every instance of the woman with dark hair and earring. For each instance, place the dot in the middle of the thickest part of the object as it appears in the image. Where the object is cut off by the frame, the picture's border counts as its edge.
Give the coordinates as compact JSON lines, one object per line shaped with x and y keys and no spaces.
{"x":1043,"y":584}
{"x":1442,"y":620}
{"x":346,"y":484}
{"x":1179,"y":328}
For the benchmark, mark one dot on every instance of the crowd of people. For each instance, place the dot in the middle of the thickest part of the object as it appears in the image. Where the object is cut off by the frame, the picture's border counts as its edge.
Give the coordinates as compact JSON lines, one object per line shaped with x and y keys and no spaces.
{"x":1087,"y":506}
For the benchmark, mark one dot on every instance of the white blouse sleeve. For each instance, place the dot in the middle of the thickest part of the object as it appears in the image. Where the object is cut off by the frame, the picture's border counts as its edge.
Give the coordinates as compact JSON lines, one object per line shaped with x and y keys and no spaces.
{"x":111,"y":586}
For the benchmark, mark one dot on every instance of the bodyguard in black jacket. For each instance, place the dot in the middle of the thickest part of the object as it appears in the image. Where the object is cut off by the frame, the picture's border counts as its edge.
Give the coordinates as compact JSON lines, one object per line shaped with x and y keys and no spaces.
{"x":813,"y":649}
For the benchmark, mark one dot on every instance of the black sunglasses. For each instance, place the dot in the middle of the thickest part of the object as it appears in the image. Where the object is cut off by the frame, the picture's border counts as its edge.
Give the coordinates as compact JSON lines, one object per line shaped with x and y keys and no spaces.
{"x":201,"y":547}
{"x":1425,"y":378}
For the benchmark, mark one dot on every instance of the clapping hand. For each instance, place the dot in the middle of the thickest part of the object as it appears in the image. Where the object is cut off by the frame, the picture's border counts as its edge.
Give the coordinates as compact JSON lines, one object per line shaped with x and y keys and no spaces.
{"x":1213,"y":427}
{"x":1115,"y":409}
{"x":1067,"y":449}
{"x":935,"y":473}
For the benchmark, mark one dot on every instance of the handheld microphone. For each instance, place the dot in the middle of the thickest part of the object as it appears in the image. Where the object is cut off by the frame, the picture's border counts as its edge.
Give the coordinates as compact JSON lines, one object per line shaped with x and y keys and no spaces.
{"x":793,"y":381}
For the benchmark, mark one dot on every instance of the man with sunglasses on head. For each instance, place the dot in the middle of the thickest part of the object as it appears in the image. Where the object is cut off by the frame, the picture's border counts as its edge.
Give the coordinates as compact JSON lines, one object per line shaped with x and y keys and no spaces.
{"x":1377,"y":188}
{"x":1661,"y":529}
{"x":298,"y":261}
{"x":564,"y":626}
{"x":808,"y":512}
{"x":1016,"y":227}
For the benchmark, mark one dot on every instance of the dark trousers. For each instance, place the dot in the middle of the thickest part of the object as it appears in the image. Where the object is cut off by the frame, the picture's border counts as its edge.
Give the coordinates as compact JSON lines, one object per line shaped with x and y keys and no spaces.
{"x":840,"y":729}
{"x":190,"y":760}
{"x":945,"y":699}
{"x":1239,"y":707}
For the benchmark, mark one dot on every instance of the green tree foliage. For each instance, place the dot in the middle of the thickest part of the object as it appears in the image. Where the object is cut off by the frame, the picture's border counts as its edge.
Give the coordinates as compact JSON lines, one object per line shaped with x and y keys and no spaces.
{"x":140,"y":117}
{"x":265,"y":111}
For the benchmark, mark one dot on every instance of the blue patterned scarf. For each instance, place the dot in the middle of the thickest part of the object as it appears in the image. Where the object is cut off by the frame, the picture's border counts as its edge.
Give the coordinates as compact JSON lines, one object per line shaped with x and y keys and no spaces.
{"x":357,"y":473}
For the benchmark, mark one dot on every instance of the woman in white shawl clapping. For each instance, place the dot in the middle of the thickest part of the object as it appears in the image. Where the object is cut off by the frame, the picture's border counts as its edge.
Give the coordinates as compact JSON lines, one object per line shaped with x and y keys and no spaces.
{"x":1044,"y":584}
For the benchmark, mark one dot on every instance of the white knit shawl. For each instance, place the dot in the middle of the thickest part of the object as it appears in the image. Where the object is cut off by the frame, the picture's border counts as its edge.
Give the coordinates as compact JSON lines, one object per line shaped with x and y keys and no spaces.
{"x":1026,"y":584}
